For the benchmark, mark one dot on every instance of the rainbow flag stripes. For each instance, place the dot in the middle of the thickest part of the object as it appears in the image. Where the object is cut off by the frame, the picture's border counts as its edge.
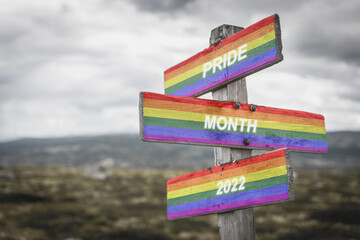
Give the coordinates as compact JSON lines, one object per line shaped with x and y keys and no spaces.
{"x":187,"y":120}
{"x":241,"y":54}
{"x":256,"y":181}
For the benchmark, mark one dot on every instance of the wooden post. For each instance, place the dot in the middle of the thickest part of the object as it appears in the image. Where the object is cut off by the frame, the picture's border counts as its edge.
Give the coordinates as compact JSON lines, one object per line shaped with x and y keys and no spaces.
{"x":238,"y":224}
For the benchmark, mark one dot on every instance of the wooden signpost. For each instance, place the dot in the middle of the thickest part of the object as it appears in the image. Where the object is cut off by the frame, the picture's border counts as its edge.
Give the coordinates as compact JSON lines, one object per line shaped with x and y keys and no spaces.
{"x":232,"y":126}
{"x":241,"y":54}
{"x":186,"y":120}
{"x":255,"y":181}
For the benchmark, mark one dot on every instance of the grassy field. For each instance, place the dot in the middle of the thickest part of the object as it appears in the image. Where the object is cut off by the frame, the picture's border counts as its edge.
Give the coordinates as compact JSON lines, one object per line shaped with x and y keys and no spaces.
{"x":61,"y":203}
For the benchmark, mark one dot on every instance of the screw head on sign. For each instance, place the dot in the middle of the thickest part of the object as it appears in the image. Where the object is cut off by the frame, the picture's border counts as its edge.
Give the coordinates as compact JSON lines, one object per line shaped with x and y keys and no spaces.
{"x":220,"y":174}
{"x":253,"y":108}
{"x":237,"y":105}
{"x":246,"y":142}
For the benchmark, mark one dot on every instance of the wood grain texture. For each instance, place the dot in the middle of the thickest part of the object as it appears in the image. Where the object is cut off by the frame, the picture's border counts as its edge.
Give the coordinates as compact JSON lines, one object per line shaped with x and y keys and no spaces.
{"x":184,"y":120}
{"x":222,"y":32}
{"x":266,"y":182}
{"x":192,"y":77}
{"x":238,"y":224}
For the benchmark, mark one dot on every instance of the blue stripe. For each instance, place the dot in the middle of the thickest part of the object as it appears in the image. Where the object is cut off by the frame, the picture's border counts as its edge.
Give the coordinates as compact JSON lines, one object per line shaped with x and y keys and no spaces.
{"x":226,"y":72}
{"x":225,"y":136}
{"x":242,"y":196}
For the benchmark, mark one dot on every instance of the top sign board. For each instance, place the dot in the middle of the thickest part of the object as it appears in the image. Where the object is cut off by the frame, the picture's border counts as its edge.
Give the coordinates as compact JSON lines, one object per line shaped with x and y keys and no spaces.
{"x":241,"y":54}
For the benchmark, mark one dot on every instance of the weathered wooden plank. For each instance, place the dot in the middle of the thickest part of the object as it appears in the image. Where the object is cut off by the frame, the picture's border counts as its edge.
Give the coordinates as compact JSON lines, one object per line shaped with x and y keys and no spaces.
{"x":241,"y":54}
{"x":256,"y":181}
{"x":238,"y":224}
{"x":186,"y":120}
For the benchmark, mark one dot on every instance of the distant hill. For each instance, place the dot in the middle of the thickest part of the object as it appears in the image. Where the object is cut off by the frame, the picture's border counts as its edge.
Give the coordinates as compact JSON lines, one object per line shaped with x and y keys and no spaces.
{"x":130,"y":151}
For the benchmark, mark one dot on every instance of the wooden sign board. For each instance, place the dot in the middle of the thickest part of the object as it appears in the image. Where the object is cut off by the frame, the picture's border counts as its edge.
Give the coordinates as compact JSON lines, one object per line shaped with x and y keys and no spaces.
{"x":241,"y":54}
{"x":256,"y":181}
{"x":187,"y":120}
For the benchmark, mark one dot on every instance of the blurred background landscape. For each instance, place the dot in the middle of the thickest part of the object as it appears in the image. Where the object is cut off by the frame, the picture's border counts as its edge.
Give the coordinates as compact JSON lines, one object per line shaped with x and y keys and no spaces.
{"x":128,"y":151}
{"x":114,"y":187}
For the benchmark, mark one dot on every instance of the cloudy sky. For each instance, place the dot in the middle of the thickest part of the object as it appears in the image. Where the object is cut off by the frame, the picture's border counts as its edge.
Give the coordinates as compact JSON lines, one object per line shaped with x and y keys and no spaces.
{"x":71,"y":67}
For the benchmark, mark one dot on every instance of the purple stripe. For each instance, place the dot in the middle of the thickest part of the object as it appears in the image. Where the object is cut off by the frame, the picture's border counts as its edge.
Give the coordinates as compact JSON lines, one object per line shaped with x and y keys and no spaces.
{"x":235,"y":197}
{"x":234,"y":137}
{"x":228,"y":143}
{"x":230,"y":206}
{"x":258,"y":65}
{"x":228,"y":73}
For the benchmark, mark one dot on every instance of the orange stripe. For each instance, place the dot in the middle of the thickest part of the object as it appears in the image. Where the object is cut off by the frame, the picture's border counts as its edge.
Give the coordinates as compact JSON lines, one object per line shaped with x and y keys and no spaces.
{"x":221,"y":51}
{"x":272,"y":163}
{"x":186,"y":107}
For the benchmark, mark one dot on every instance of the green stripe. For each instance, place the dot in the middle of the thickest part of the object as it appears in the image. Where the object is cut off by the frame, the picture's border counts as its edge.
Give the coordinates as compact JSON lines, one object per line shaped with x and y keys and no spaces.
{"x":268,"y":182}
{"x":198,"y":77}
{"x":175,"y":123}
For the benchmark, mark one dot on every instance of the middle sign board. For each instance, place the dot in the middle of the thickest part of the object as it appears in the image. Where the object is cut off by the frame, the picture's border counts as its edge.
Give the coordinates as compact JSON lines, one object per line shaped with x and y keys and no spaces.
{"x":187,"y":120}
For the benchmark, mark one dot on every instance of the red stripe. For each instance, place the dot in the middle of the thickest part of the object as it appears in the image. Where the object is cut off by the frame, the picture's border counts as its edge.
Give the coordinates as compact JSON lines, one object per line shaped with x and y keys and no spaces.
{"x":230,"y":105}
{"x":189,"y":100}
{"x":293,"y":113}
{"x":242,"y":163}
{"x":224,"y":42}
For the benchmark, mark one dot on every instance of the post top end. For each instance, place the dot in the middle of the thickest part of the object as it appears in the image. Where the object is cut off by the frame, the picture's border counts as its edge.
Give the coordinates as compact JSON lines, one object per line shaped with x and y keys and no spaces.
{"x":222,"y":32}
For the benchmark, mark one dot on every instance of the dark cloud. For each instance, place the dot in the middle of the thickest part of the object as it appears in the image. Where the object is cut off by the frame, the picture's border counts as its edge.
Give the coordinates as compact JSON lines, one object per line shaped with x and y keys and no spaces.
{"x":272,"y":6}
{"x":330,"y":33}
{"x":158,"y":6}
{"x":352,"y":95}
{"x":331,"y":43}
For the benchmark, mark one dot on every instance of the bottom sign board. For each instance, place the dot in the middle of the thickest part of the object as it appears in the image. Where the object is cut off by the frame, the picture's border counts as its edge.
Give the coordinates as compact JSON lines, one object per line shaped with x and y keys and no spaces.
{"x":255,"y":181}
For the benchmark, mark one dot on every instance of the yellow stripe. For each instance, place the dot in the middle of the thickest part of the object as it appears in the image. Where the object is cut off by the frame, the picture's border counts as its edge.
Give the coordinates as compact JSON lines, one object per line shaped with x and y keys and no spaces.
{"x":251,"y":45}
{"x":225,"y":174}
{"x":200,"y":117}
{"x":251,"y":177}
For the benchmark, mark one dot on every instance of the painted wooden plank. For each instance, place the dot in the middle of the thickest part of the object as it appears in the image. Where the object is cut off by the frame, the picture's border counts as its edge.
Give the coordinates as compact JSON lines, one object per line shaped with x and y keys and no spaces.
{"x":241,"y":54}
{"x":255,"y":181}
{"x":187,"y":120}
